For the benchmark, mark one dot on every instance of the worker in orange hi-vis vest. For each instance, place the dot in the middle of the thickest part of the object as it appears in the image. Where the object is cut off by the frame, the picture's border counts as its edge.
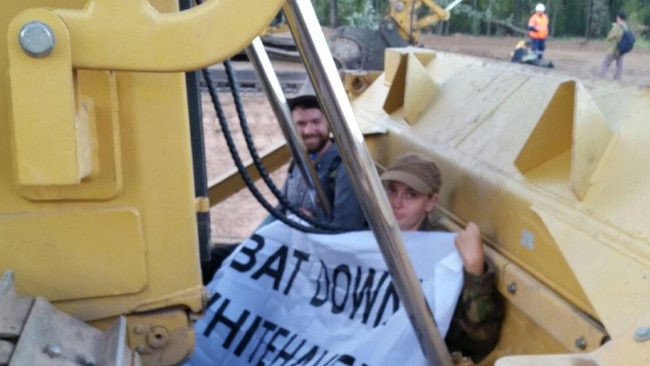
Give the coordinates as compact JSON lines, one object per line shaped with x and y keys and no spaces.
{"x":538,"y":30}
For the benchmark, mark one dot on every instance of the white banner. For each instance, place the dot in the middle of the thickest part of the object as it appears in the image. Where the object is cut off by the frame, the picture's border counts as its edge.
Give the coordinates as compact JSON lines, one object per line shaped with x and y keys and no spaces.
{"x":289,"y":298}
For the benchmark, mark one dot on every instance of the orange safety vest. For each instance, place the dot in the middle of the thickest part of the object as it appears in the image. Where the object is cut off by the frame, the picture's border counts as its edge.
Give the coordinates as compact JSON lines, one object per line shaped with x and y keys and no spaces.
{"x":540,"y":22}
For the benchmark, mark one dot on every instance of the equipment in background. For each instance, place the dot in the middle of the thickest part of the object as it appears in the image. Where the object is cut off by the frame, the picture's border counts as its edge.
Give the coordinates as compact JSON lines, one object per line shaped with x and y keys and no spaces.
{"x":523,"y":54}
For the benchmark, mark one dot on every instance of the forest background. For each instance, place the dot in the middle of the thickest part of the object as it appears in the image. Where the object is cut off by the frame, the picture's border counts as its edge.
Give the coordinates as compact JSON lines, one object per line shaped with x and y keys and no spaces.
{"x":589,"y":19}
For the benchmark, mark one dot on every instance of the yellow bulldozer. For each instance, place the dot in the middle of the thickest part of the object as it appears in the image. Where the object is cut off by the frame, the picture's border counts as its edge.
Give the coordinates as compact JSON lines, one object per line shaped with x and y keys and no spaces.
{"x":104,"y":197}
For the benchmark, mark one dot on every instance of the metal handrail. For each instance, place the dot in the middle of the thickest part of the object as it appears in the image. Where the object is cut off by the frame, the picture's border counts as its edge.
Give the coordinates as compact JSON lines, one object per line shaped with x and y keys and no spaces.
{"x":316,"y":55}
{"x":271,"y":85}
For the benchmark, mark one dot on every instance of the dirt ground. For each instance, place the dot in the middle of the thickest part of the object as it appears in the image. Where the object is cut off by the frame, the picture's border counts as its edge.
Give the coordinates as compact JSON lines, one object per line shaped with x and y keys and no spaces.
{"x":576,"y":58}
{"x":235,"y":218}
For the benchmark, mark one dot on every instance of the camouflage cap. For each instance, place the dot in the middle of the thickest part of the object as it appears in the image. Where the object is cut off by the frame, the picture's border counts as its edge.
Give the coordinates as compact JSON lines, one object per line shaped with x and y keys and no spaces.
{"x":416,"y":171}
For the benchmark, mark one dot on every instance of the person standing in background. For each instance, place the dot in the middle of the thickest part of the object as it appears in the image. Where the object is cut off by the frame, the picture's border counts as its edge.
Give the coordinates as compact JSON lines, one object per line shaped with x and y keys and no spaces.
{"x":538,"y":30}
{"x":615,"y":35}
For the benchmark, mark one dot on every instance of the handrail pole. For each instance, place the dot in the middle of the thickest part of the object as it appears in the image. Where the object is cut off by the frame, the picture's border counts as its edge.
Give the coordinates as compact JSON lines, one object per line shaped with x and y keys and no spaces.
{"x":273,"y":89}
{"x":316,"y":55}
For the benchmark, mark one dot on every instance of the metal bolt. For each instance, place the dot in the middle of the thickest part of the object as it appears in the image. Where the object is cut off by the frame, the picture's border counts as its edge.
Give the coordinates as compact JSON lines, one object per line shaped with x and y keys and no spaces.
{"x":86,"y":360}
{"x":52,"y":350}
{"x":37,"y":39}
{"x":512,"y":288}
{"x":140,"y":348}
{"x":642,"y":334}
{"x":158,"y":337}
{"x":581,"y":343}
{"x":139,"y":329}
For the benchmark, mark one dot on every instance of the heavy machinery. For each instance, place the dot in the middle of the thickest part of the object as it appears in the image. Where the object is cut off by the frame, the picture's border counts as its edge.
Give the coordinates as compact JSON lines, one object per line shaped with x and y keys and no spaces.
{"x":362,"y":49}
{"x":359,"y":52}
{"x":100,"y":209}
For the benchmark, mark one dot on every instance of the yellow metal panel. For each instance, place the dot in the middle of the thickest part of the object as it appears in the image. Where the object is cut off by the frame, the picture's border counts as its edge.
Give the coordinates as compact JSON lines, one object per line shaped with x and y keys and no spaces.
{"x":68,"y":255}
{"x":393,"y":56}
{"x":87,"y":136}
{"x":483,"y":110}
{"x":574,"y":218}
{"x":145,"y":165}
{"x":45,"y":135}
{"x":592,"y":135}
{"x":132,"y":35}
{"x":485,"y":105}
{"x":623,"y":350}
{"x":395,"y":97}
{"x":409,"y":84}
{"x":368,"y":116}
{"x":587,"y":245}
{"x":553,"y":133}
{"x":356,"y":82}
{"x":420,"y":92}
{"x":537,"y":319}
{"x":568,"y":326}
{"x":520,"y":335}
{"x":572,"y":121}
{"x":166,"y":337}
{"x":106,"y":180}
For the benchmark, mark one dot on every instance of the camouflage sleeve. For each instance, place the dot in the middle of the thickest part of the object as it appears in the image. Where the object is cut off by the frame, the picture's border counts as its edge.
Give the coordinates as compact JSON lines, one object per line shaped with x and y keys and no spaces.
{"x":476,"y":324}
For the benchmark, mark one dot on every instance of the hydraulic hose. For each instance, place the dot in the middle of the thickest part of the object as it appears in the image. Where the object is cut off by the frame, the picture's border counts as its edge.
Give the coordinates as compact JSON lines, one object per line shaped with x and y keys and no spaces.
{"x":240,"y":165}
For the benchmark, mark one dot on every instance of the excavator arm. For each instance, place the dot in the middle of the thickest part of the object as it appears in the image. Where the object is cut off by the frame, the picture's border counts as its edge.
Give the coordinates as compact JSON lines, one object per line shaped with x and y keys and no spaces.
{"x":404,"y":13}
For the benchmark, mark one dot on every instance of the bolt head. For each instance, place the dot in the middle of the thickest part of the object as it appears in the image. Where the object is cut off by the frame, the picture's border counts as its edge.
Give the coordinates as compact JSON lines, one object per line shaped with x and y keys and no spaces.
{"x":36,"y":39}
{"x":52,"y":350}
{"x":139,"y":329}
{"x":86,"y":360}
{"x":157,"y":337}
{"x":642,"y":334}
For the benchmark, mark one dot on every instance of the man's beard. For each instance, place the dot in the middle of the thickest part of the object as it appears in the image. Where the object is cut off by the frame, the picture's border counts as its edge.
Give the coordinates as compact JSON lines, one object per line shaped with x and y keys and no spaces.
{"x":322,"y":141}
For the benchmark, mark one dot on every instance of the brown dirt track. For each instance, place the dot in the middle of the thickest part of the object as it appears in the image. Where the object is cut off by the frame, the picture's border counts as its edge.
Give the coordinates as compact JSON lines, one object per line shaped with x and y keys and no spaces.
{"x":235,"y":218}
{"x":575,"y":58}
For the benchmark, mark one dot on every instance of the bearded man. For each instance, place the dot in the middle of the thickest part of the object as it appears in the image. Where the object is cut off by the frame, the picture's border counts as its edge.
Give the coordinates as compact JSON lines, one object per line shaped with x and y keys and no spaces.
{"x":313,"y":128}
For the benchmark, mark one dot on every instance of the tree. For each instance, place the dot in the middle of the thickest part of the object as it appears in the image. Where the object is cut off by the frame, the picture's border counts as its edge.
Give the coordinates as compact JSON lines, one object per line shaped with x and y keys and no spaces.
{"x":596,"y":16}
{"x":334,"y":14}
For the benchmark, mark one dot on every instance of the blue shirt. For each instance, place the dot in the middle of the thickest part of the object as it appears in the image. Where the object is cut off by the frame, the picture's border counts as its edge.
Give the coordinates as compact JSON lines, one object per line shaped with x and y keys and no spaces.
{"x":345,"y":208}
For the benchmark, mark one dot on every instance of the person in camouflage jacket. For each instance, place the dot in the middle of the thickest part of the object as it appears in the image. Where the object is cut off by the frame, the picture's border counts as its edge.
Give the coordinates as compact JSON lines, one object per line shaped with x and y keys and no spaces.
{"x":412,"y":184}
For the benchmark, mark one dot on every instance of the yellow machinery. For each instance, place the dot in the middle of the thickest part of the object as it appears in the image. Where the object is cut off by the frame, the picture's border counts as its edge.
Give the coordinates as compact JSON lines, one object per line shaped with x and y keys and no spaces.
{"x":359,"y":53}
{"x":551,"y":170}
{"x":98,"y":209}
{"x":362,"y":49}
{"x":404,"y":15}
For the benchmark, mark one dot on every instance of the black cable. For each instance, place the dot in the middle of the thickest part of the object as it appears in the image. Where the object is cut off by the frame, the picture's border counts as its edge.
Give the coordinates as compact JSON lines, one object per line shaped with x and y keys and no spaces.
{"x":232,"y":80}
{"x":320,"y":227}
{"x":240,"y":165}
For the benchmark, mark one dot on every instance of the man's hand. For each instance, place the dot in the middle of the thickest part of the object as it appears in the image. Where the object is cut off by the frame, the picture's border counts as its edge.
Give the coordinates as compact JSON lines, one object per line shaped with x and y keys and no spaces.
{"x":470,"y":249}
